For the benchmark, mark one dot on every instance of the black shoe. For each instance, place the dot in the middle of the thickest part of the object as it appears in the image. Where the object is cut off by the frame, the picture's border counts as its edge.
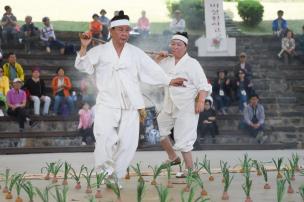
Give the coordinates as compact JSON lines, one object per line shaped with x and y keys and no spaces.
{"x":33,"y":123}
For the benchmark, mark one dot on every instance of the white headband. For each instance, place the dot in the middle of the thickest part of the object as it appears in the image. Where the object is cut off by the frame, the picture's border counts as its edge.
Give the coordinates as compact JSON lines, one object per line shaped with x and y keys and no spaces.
{"x":180,"y":37}
{"x":120,"y":23}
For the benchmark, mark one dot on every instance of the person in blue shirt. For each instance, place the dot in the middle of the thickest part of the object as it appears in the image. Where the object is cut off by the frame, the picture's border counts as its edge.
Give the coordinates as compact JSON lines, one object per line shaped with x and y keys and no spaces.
{"x":279,"y":25}
{"x":105,"y":24}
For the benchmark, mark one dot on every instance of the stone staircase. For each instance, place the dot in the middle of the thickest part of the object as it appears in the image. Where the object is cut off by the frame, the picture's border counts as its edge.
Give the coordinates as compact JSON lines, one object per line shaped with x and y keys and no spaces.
{"x":280,"y":87}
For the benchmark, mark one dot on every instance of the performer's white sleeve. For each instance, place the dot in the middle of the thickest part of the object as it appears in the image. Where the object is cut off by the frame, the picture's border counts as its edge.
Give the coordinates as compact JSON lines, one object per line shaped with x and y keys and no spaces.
{"x":150,"y":72}
{"x":88,"y":62}
{"x":200,"y":80}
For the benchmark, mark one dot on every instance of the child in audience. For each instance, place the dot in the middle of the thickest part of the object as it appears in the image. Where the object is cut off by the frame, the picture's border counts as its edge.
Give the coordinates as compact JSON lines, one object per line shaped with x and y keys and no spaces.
{"x":85,"y":124}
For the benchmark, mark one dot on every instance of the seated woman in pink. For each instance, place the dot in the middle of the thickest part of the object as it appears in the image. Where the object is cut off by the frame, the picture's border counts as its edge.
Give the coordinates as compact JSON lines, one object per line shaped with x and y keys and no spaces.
{"x":85,"y":126}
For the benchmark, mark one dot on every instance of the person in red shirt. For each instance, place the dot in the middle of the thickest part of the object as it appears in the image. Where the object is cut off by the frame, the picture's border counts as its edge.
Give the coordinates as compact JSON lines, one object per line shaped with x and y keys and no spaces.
{"x":95,"y":27}
{"x":143,"y":24}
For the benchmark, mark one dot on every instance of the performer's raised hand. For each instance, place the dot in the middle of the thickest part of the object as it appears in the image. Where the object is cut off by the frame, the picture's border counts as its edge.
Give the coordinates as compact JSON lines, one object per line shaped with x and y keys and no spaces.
{"x":85,"y":39}
{"x":178,"y":82}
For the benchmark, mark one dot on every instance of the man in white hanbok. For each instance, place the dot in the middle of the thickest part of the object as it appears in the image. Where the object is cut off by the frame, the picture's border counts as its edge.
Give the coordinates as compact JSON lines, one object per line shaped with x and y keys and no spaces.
{"x":119,"y":67}
{"x":181,"y":105}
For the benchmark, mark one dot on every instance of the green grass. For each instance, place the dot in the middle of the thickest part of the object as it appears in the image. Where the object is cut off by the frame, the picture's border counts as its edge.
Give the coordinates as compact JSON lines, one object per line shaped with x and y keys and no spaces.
{"x":264,"y":28}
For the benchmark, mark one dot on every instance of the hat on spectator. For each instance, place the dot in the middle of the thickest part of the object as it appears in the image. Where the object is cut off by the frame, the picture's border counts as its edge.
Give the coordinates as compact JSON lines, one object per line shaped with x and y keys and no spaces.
{"x":120,"y":20}
{"x":36,"y":69}
{"x":103,"y":11}
{"x":16,"y":80}
{"x":243,"y":54}
{"x":210,"y":99}
{"x":44,"y":19}
{"x":222,"y":70}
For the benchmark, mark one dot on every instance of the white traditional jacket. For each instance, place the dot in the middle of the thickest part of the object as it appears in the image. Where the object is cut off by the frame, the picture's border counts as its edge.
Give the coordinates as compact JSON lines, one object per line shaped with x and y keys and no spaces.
{"x":190,"y":69}
{"x":117,"y":78}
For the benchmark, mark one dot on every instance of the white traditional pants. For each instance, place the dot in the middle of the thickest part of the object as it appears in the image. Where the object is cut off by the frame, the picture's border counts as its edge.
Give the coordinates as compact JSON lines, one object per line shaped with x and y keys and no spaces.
{"x":37,"y":101}
{"x":185,"y":128}
{"x":116,"y":132}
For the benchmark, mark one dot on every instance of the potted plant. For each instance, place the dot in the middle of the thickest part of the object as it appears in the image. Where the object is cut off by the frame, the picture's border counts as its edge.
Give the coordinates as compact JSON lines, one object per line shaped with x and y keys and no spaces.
{"x":295,"y":159}
{"x":247,"y":186}
{"x":189,"y":180}
{"x":76,"y":176}
{"x":224,"y":166}
{"x":288,"y":176}
{"x":257,"y":167}
{"x":29,"y":189}
{"x":55,"y":170}
{"x":156,"y":172}
{"x":140,"y":190}
{"x":61,"y":195}
{"x":99,"y":179}
{"x":278,"y":165}
{"x":6,"y":177}
{"x":280,"y":189}
{"x":200,"y":183}
{"x":18,"y":185}
{"x":88,"y":176}
{"x":301,"y":191}
{"x":292,"y":166}
{"x":265,"y":175}
{"x":191,"y":197}
{"x":44,"y":195}
{"x":12,"y":182}
{"x":114,"y":186}
{"x":206,"y":166}
{"x":67,"y":168}
{"x":169,"y":182}
{"x":227,"y":182}
{"x":137,"y":170}
{"x":163,"y":193}
{"x":48,"y":168}
{"x":127,"y":177}
{"x":246,"y":164}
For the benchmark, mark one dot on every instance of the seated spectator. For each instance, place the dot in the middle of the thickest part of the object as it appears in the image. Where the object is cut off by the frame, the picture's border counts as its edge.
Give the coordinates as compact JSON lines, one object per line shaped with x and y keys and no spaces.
{"x":105,"y":24}
{"x":16,"y":101}
{"x":279,"y":25}
{"x":243,"y":89}
{"x":36,"y":89}
{"x":221,"y":90}
{"x":288,"y":47}
{"x":95,"y":28}
{"x":47,"y":35}
{"x":207,"y":121}
{"x":9,"y":25}
{"x":301,"y":46}
{"x":88,"y":90}
{"x":28,"y":34}
{"x":61,"y":86}
{"x":12,"y":69}
{"x":143,"y":24}
{"x":178,"y":24}
{"x":4,"y":88}
{"x":254,"y":118}
{"x":243,"y":65}
{"x":85,"y":125}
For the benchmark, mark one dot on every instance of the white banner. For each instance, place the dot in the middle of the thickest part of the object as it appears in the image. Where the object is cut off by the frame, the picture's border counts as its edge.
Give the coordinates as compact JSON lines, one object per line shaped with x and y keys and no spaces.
{"x":215,"y":26}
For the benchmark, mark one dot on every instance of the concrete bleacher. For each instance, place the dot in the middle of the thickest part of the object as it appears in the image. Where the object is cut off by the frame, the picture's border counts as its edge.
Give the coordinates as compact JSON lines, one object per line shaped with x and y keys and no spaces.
{"x":281,"y":88}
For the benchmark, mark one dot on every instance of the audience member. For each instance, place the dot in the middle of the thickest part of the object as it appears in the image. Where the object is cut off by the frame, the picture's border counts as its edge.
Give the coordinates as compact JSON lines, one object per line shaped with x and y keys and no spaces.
{"x":178,"y":24}
{"x":207,"y":121}
{"x":28,"y":34}
{"x":243,"y":89}
{"x":221,"y":90}
{"x":88,"y":90}
{"x":4,"y":88}
{"x":85,"y":124}
{"x":16,"y":101}
{"x":9,"y":25}
{"x":279,"y":25}
{"x":105,"y":24}
{"x":37,"y":92}
{"x":288,"y":47}
{"x":61,"y":86}
{"x":95,"y":28}
{"x":245,"y":66}
{"x":12,"y":69}
{"x":143,"y":24}
{"x":300,"y":46}
{"x":47,"y":35}
{"x":254,"y":118}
